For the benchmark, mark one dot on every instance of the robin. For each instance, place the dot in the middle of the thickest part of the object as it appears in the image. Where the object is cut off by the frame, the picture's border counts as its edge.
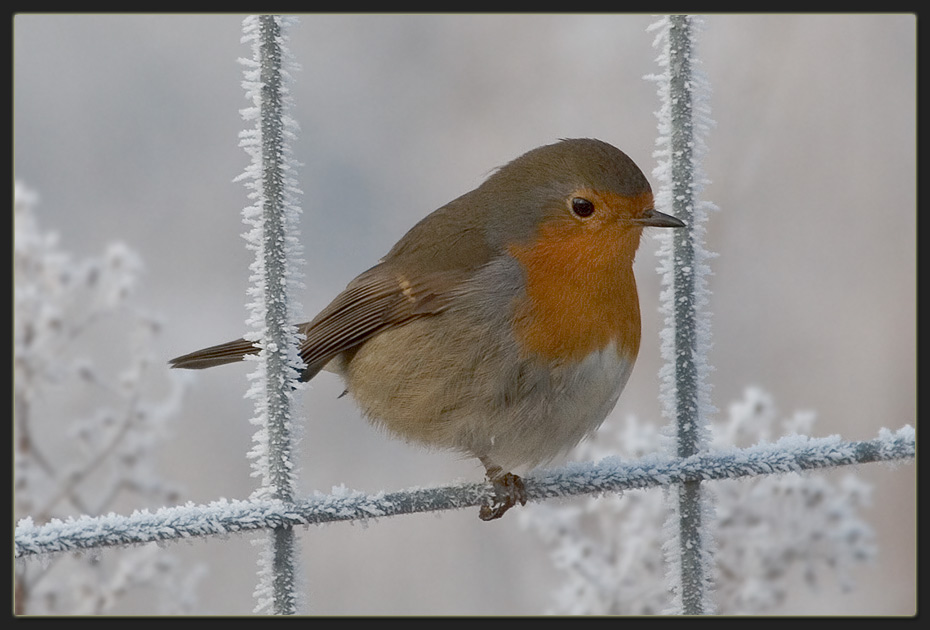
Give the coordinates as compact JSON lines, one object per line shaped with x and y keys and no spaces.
{"x":505,"y":324}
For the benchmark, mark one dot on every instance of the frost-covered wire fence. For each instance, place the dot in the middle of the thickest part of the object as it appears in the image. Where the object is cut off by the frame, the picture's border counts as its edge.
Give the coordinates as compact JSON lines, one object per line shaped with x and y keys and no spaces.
{"x":276,"y":241}
{"x":685,"y":392}
{"x":685,"y":464}
{"x":789,"y":454}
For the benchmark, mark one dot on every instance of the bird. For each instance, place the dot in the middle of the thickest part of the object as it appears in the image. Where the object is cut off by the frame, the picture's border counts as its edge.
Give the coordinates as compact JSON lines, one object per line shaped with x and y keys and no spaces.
{"x":502,"y":326}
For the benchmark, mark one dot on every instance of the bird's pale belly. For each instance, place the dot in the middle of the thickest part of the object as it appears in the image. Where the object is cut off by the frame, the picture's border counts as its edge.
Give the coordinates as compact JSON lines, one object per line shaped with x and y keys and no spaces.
{"x":479,"y":396}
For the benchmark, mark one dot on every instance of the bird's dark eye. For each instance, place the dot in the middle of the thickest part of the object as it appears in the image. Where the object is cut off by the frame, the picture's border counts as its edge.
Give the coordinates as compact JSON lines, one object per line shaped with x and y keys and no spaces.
{"x":582,"y":207}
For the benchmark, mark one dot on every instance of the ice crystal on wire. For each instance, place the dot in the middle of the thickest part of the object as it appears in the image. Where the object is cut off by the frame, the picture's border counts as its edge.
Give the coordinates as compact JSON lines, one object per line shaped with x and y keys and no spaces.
{"x":272,"y":189}
{"x":669,"y":195}
{"x":609,"y":548}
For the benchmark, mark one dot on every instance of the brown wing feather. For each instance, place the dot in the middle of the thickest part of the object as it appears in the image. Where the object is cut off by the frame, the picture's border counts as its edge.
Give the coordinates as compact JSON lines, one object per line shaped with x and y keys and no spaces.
{"x":378,"y":299}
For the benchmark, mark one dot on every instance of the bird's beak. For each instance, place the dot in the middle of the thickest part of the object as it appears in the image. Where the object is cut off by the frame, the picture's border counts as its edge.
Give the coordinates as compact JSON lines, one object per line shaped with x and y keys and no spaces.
{"x":654,"y":218}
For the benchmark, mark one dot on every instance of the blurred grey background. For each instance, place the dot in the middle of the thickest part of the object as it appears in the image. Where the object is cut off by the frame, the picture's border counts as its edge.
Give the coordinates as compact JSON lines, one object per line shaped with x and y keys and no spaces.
{"x":127,"y":125}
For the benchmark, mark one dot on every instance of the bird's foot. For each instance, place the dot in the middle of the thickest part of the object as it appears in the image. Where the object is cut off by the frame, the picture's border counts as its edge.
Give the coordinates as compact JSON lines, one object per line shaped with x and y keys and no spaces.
{"x":508,"y":491}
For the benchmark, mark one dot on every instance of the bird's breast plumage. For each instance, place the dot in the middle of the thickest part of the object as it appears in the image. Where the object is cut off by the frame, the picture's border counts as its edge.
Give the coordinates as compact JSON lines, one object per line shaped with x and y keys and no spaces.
{"x":463,"y":378}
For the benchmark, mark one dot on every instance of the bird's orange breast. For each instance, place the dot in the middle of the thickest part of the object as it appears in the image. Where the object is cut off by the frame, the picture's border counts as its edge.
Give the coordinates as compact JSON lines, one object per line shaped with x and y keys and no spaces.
{"x":580,"y":290}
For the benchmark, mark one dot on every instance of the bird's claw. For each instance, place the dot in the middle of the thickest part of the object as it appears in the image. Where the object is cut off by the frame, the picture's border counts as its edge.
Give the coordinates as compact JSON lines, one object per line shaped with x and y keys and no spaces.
{"x":508,"y":491}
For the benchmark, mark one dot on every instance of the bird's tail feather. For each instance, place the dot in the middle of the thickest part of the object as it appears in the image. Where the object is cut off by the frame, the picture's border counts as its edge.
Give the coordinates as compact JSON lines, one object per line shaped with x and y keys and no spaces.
{"x":221,"y":354}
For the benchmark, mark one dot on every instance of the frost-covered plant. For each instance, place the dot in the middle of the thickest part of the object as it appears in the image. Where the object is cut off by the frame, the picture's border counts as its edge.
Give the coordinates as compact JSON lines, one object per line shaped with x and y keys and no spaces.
{"x":84,"y":429}
{"x":610,"y":547}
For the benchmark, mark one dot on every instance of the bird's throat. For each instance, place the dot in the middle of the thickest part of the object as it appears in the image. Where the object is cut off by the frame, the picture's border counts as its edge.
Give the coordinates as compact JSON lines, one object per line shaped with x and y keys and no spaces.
{"x":576,"y":302}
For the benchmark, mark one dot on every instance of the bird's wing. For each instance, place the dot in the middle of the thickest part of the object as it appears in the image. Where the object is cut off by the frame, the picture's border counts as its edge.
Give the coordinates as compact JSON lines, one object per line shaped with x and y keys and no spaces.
{"x":418,"y":277}
{"x":382,"y":297}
